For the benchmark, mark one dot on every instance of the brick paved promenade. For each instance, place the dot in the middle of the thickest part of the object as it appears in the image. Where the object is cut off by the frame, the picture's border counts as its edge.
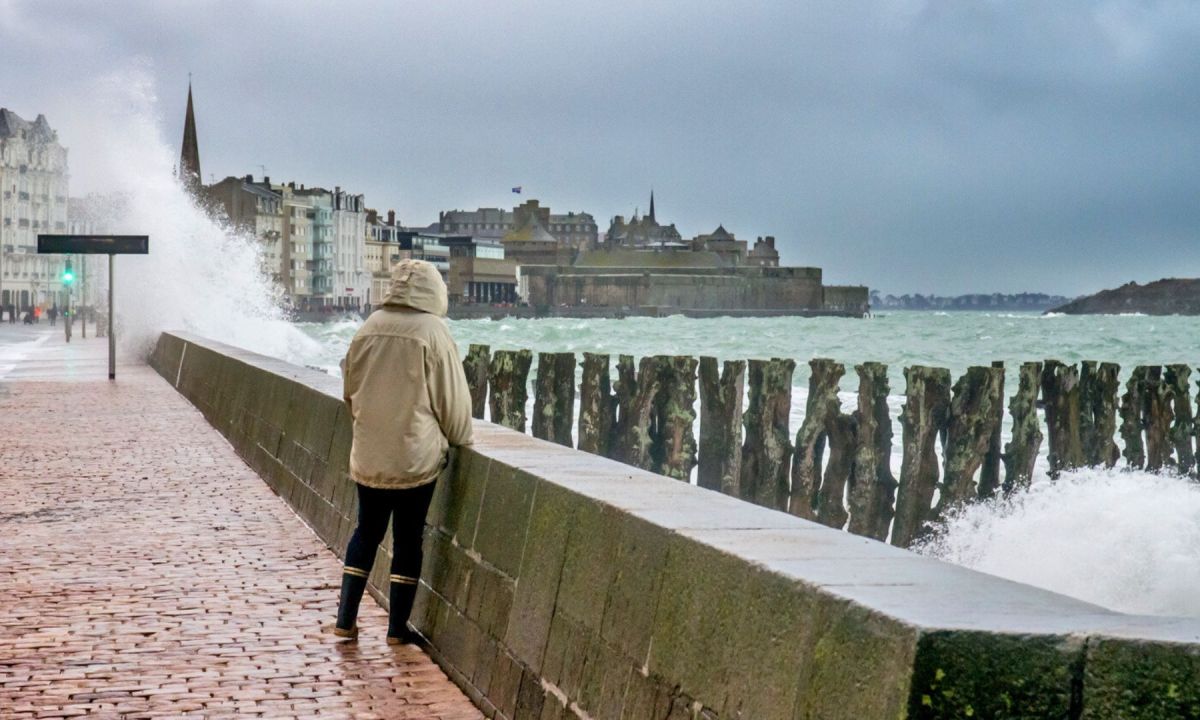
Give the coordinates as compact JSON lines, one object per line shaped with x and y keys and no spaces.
{"x":145,"y":571}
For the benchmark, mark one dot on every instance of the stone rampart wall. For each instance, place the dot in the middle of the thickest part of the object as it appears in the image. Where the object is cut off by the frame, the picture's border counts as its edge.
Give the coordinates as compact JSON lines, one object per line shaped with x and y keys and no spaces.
{"x":559,"y":584}
{"x":847,"y":297}
{"x":711,"y":292}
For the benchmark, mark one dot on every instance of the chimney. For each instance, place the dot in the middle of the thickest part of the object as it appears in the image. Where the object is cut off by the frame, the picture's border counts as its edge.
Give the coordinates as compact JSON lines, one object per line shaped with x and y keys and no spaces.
{"x":266,"y":179}
{"x":250,"y":179}
{"x":391,"y":217}
{"x":771,"y":241}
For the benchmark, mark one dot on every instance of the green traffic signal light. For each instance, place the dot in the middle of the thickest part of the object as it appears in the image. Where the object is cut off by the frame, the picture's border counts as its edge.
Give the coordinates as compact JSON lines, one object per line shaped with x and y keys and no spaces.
{"x":68,"y":276}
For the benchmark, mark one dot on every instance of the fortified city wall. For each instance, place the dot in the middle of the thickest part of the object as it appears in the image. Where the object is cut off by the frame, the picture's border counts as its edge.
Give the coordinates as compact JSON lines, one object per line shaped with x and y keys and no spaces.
{"x":739,"y":289}
{"x":562,"y":584}
{"x":850,"y":298}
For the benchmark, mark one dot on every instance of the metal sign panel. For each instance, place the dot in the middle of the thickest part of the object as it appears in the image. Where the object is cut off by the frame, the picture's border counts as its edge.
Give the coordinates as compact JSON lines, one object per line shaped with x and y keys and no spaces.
{"x":94,"y":244}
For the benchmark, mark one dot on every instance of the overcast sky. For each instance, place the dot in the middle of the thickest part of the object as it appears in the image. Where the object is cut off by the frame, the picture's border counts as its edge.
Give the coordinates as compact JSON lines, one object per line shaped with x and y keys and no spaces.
{"x":913,"y":146}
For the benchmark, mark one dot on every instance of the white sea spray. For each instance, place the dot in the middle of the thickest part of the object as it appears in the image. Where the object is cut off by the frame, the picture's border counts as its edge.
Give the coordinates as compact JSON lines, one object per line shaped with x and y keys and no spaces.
{"x":198,"y":277}
{"x":1129,"y":541}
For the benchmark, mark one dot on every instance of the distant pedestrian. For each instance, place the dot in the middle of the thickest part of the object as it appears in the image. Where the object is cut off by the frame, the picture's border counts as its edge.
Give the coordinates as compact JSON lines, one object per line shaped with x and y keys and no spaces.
{"x":53,"y":315}
{"x":409,"y":402}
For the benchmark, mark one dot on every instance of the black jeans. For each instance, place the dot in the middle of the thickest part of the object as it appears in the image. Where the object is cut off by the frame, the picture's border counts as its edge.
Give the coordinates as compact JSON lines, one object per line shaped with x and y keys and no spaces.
{"x":406,"y":509}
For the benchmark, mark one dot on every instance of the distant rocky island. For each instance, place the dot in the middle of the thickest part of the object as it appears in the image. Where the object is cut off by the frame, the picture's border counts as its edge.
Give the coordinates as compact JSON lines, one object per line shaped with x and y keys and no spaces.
{"x":1169,"y":296}
{"x":994,"y":301}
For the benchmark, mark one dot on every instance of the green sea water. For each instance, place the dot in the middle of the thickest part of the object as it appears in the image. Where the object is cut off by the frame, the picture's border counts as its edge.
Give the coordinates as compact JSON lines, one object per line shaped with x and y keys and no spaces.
{"x":899,"y":339}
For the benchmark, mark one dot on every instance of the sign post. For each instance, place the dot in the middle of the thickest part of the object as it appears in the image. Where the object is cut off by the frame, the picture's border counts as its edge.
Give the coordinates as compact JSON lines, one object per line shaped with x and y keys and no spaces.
{"x":111,"y":245}
{"x":112,"y":342}
{"x":83,"y":298}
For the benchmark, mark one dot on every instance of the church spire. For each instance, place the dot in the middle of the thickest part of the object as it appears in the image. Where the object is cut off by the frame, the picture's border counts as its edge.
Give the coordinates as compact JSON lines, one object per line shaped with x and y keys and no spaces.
{"x":652,"y":204}
{"x":189,"y":155}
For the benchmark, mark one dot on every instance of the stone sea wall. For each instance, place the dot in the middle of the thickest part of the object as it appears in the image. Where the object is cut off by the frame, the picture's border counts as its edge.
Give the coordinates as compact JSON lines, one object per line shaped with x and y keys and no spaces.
{"x":562,"y":584}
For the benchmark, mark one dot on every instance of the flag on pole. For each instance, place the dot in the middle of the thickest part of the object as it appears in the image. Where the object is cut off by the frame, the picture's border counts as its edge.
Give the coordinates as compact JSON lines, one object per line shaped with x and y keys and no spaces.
{"x":517,"y":189}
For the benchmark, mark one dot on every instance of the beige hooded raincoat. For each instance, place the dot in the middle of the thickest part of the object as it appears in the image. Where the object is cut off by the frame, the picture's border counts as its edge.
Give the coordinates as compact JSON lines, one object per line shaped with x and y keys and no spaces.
{"x":405,"y":386}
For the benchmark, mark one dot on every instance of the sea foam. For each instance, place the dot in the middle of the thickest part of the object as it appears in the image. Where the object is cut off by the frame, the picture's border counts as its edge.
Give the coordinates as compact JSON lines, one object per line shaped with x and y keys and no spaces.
{"x":198,"y":277}
{"x":1129,"y":541}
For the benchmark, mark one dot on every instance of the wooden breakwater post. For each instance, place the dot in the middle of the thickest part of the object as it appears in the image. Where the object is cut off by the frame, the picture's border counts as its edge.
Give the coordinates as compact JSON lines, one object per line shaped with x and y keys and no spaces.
{"x":1147,"y":418}
{"x":674,"y":418}
{"x":554,"y":398}
{"x":817,"y":492}
{"x":923,"y":420}
{"x":872,"y":485}
{"x":720,"y":451}
{"x":841,"y":432}
{"x":476,"y":366}
{"x":1183,"y":429}
{"x":973,"y":421}
{"x":636,"y":395}
{"x":508,"y":379}
{"x":989,"y":472}
{"x":821,"y":408}
{"x":1131,"y":418}
{"x":597,"y":405}
{"x":1021,"y":452}
{"x":1060,"y":395}
{"x":1157,"y":418}
{"x":767,"y":449}
{"x":1098,"y":387}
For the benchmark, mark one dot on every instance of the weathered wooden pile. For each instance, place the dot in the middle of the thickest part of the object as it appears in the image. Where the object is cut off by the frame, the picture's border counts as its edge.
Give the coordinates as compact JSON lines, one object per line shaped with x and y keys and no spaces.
{"x":836,"y":469}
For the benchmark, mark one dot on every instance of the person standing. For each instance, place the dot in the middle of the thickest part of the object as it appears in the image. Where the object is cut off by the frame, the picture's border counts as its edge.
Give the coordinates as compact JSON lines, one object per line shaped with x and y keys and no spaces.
{"x":53,"y":315}
{"x":409,"y":403}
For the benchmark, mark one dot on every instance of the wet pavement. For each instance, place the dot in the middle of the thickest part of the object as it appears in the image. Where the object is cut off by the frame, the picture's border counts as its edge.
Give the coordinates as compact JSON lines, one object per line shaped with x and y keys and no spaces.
{"x":146,"y":571}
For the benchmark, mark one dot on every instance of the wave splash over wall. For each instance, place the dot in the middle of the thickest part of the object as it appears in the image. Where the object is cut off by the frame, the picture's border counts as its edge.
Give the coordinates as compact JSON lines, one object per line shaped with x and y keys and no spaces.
{"x":1129,"y":541}
{"x":198,"y":277}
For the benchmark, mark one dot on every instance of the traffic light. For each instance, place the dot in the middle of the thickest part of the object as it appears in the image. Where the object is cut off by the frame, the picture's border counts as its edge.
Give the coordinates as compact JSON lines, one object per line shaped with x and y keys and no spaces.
{"x":68,"y":276}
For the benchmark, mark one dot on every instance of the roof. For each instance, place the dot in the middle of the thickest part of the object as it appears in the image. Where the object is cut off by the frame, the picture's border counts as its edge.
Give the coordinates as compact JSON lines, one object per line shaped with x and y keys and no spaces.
{"x":12,"y":124}
{"x":530,"y":233}
{"x":189,"y":153}
{"x":490,"y":215}
{"x":496,"y":215}
{"x":572,"y":218}
{"x":260,"y":190}
{"x":625,"y":258}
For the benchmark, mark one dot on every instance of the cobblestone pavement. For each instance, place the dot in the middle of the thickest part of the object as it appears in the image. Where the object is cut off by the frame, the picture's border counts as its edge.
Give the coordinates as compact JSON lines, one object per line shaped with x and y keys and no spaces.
{"x":41,"y":352}
{"x":145,"y":571}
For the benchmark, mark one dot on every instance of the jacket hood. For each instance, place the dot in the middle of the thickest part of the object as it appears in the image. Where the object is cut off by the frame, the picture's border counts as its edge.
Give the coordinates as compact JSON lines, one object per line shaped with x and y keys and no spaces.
{"x":418,"y":285}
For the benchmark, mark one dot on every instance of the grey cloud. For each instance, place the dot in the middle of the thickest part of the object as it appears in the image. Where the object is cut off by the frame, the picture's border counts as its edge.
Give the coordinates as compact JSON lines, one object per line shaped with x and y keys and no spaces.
{"x":911,"y":146}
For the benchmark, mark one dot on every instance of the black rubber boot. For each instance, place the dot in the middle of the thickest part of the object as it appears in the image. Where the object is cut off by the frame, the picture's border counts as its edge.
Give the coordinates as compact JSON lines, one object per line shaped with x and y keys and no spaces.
{"x":401,"y":593}
{"x":353,"y":585}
